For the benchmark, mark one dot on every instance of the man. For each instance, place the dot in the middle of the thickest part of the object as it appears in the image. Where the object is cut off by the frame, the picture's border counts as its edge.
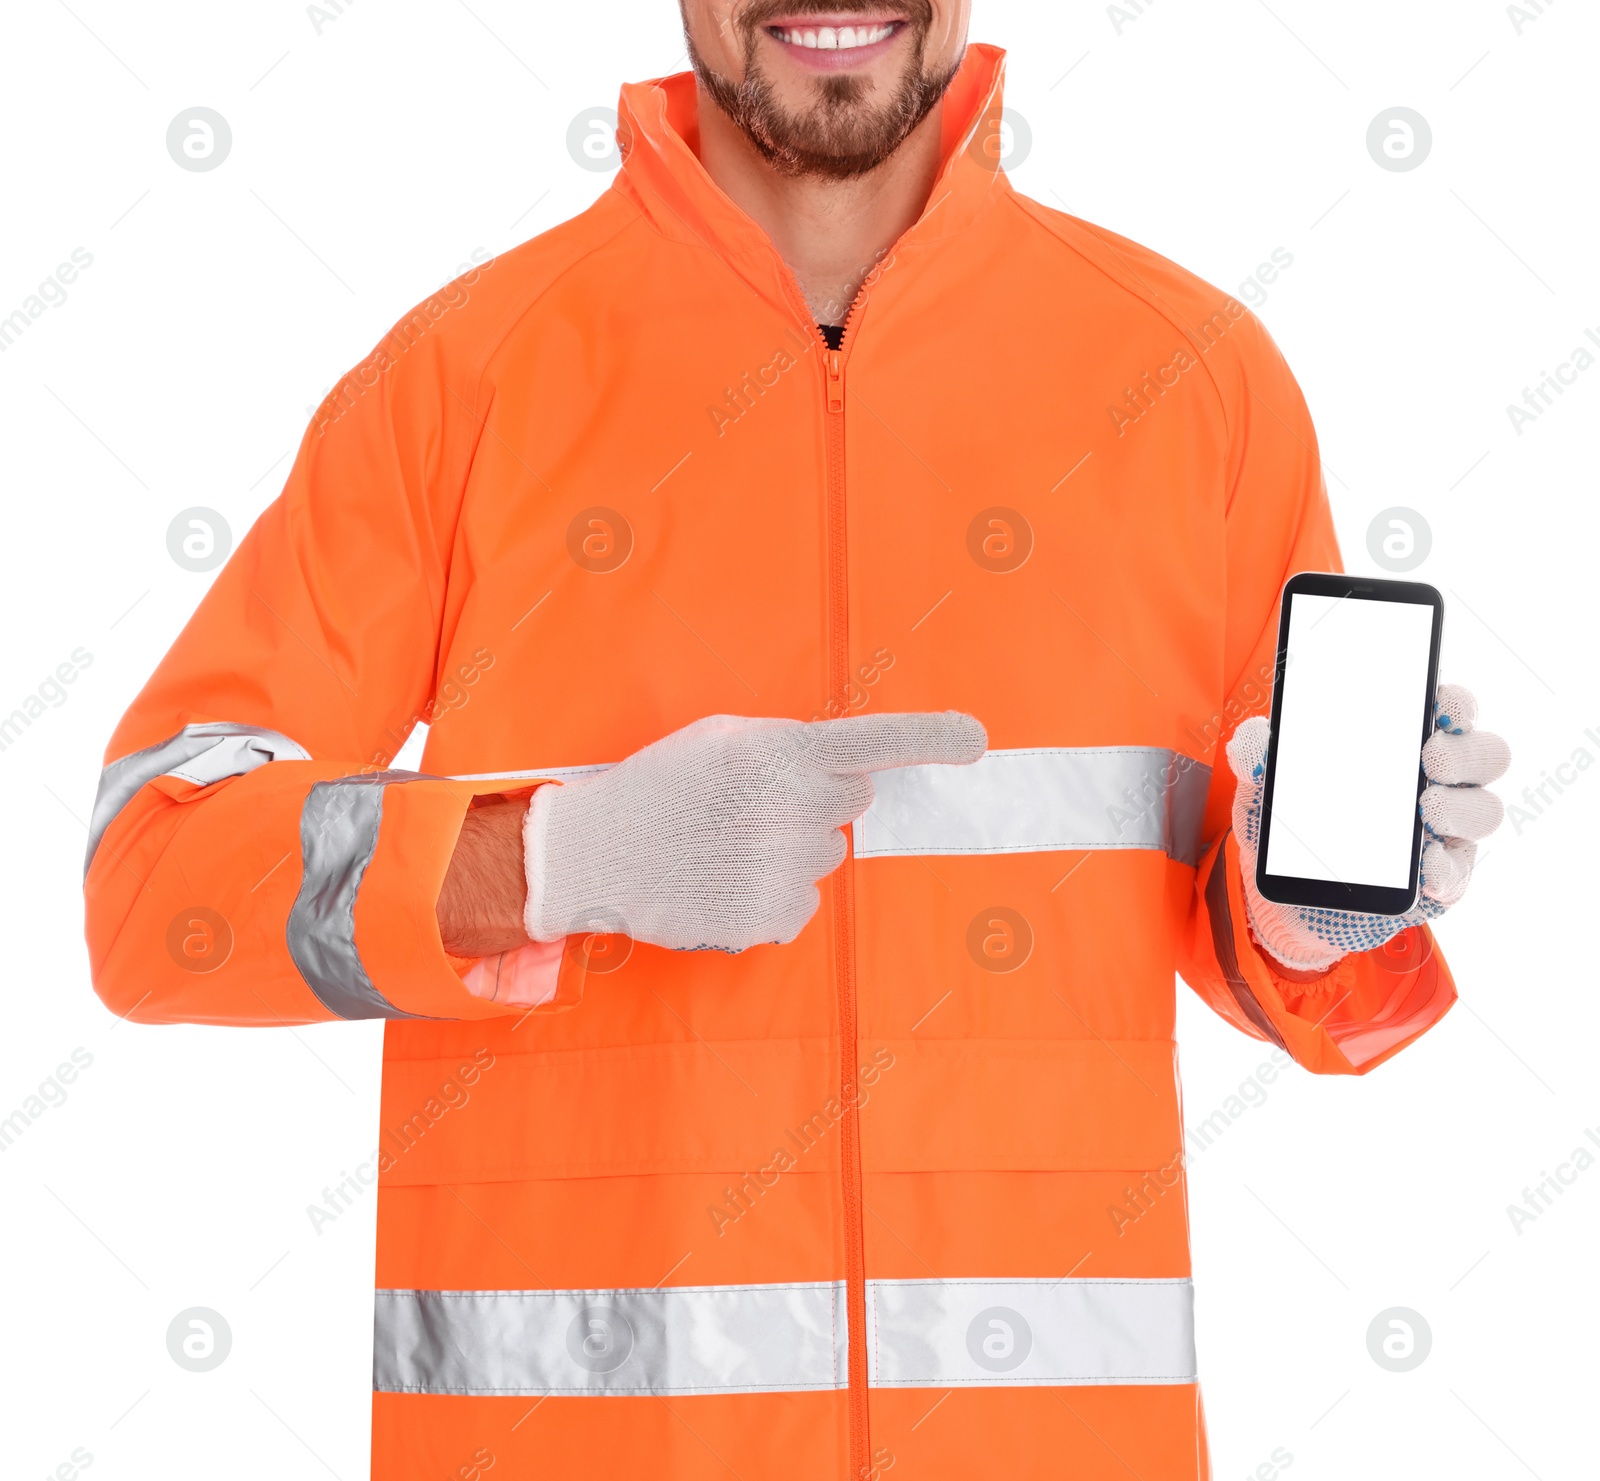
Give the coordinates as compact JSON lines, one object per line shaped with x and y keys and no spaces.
{"x":783,"y":477}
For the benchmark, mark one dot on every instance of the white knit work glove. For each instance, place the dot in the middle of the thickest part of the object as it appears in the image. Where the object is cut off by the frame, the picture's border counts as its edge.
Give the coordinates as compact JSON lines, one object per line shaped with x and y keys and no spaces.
{"x":714,"y":837}
{"x":1456,"y":813}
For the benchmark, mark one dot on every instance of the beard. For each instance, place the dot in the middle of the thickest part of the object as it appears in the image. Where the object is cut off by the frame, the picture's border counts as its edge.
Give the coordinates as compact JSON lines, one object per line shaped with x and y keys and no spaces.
{"x":843,"y":133}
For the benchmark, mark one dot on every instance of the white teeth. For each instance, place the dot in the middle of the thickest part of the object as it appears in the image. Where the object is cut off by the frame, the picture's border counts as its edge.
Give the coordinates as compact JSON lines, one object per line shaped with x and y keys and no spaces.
{"x":843,"y":38}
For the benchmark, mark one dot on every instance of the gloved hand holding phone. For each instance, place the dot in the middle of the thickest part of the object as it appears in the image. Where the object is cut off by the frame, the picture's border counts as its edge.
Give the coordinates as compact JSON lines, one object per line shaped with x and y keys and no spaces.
{"x":1457,"y":813}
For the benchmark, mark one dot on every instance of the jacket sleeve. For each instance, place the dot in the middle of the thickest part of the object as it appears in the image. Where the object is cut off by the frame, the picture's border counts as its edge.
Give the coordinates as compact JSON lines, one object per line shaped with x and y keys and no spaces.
{"x":251,"y":859}
{"x":1369,"y":1005}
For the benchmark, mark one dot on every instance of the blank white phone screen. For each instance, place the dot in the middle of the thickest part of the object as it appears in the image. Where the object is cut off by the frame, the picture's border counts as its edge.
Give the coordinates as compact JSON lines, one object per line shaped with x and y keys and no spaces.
{"x":1344,"y":801}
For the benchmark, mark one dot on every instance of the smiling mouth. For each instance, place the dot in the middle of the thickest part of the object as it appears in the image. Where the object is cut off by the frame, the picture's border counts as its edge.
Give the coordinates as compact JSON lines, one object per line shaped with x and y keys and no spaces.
{"x":851,"y":38}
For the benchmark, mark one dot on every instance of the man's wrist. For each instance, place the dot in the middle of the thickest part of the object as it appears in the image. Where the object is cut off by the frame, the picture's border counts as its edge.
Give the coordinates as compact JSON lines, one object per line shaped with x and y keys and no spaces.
{"x":480,"y":905}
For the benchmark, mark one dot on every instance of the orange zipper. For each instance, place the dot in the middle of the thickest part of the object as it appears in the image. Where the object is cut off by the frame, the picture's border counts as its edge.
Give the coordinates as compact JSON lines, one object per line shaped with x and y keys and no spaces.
{"x":833,"y":362}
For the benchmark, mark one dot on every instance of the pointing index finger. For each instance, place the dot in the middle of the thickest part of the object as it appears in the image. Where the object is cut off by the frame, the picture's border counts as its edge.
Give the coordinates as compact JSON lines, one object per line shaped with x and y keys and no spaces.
{"x":863,"y":743}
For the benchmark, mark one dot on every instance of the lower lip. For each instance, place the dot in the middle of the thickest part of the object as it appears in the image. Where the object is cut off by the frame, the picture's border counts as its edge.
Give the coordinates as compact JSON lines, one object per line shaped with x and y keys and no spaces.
{"x":838,"y":61}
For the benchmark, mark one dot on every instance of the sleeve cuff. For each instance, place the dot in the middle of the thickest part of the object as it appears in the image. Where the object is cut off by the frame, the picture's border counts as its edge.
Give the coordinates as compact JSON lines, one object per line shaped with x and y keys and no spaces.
{"x":1364,"y":1009}
{"x":397,"y":928}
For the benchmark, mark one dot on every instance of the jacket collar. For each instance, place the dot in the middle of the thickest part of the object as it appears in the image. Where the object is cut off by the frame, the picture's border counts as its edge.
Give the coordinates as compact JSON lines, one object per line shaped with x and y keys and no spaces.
{"x":661,"y":173}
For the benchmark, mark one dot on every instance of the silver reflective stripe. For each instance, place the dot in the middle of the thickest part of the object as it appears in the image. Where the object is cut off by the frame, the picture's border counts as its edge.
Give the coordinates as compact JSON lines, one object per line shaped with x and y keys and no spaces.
{"x":986,"y":1333}
{"x":1038,"y":800}
{"x":202,"y":754}
{"x":677,"y":1340}
{"x":338,"y":836}
{"x":784,"y":1338}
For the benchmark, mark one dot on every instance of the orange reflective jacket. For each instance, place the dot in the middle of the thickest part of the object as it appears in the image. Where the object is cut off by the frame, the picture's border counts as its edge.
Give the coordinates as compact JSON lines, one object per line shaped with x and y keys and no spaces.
{"x":908,"y":1191}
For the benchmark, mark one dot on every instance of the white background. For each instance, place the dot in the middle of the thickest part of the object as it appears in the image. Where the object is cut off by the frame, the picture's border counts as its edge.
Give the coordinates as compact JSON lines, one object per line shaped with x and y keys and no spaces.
{"x":1350,"y":659}
{"x":368,"y":162}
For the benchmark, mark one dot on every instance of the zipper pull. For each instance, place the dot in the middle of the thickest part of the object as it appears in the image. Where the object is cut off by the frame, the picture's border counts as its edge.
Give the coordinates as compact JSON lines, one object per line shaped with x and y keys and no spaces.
{"x":835,"y":365}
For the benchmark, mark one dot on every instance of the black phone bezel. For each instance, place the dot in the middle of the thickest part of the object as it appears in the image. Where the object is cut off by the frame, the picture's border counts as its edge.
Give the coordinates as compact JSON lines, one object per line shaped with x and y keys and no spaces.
{"x":1287,"y":889}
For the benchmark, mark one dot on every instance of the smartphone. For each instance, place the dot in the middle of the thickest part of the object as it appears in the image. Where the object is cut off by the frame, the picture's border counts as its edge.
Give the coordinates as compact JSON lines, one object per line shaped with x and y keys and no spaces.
{"x":1352,"y":707}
